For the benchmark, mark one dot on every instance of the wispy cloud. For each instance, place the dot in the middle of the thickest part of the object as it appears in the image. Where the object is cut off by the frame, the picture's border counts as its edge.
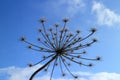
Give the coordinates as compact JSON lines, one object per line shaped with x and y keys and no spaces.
{"x":104,"y":15}
{"x":72,"y":6}
{"x":68,"y":8}
{"x":15,"y":73}
{"x":105,"y":76}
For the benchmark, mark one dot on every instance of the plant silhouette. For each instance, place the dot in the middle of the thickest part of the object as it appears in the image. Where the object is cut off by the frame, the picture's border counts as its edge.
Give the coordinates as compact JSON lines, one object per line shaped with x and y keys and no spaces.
{"x":61,"y":46}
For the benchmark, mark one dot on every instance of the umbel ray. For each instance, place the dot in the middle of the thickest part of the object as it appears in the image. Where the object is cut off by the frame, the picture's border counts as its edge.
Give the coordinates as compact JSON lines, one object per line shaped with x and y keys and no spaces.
{"x":61,"y":46}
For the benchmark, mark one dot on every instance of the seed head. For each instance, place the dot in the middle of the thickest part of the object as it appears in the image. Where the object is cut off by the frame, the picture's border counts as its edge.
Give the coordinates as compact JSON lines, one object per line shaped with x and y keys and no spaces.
{"x":90,"y":65}
{"x":42,"y":20}
{"x":98,"y":58}
{"x":30,"y":65}
{"x":94,"y":40}
{"x":93,"y":30}
{"x":22,"y":38}
{"x":65,"y":20}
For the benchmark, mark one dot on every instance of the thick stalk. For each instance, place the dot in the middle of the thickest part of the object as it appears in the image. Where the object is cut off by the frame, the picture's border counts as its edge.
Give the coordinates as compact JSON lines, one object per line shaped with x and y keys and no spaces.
{"x":42,"y":67}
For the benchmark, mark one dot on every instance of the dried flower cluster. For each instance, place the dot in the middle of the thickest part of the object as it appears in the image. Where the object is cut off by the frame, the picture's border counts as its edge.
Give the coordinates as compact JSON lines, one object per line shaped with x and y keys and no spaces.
{"x":61,"y":46}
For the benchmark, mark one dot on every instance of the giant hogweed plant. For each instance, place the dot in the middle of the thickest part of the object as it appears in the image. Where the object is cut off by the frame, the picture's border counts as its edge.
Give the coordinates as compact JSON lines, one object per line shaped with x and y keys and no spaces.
{"x":61,"y":46}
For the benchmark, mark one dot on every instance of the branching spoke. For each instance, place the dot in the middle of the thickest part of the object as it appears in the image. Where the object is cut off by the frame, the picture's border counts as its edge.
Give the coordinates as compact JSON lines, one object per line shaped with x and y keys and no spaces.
{"x":46,"y":45}
{"x":63,"y":74}
{"x":46,"y":69}
{"x":44,"y":28}
{"x":81,"y":46}
{"x":33,"y":44}
{"x":53,"y":38}
{"x":76,"y":53}
{"x":47,"y":36}
{"x":67,"y":40}
{"x":62,"y":31}
{"x":44,"y":37}
{"x":86,"y":37}
{"x":44,"y":59}
{"x":64,"y":62}
{"x":71,"y":40}
{"x":56,"y":36}
{"x":73,"y":56}
{"x":88,"y":59}
{"x":47,"y":39}
{"x":75,"y":61}
{"x":70,"y":59}
{"x":63,"y":39}
{"x":42,"y":50}
{"x":52,"y":44}
{"x":53,"y":68}
{"x":80,"y":40}
{"x":45,"y":33}
{"x":63,"y":36}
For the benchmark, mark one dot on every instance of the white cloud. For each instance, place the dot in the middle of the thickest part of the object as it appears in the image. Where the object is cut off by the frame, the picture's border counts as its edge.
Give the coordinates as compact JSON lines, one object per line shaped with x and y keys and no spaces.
{"x":105,"y":16}
{"x":105,"y":76}
{"x":67,"y":8}
{"x":15,"y":73}
{"x":74,"y":6}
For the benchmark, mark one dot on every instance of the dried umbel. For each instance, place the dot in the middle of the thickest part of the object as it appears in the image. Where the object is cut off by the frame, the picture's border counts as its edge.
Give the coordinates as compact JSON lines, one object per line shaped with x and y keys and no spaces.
{"x":61,"y":46}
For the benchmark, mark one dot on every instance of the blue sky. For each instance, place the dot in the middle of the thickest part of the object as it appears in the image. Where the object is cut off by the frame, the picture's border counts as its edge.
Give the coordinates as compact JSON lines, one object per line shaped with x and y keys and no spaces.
{"x":20,"y":17}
